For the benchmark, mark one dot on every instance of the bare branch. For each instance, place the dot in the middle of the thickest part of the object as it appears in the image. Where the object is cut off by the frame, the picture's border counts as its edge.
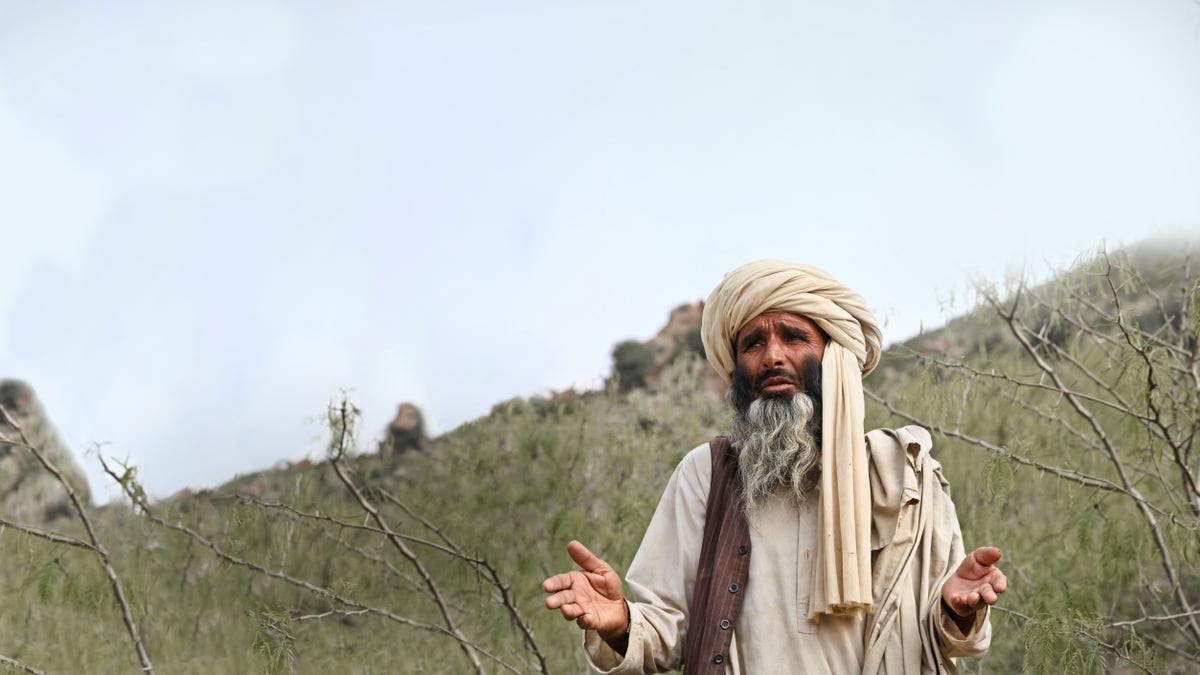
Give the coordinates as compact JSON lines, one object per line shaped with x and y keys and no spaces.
{"x":1188,"y":478}
{"x":481,"y":566}
{"x":320,"y":591}
{"x":1066,"y":474}
{"x":1009,"y":316}
{"x":301,"y":515}
{"x":348,"y":525}
{"x":1195,"y":658}
{"x":1004,"y":377}
{"x":49,"y":536}
{"x":14,"y":663}
{"x":332,"y":612}
{"x":1169,"y":617}
{"x":1077,"y":630}
{"x":490,"y":574}
{"x":398,"y":542}
{"x":96,"y":546}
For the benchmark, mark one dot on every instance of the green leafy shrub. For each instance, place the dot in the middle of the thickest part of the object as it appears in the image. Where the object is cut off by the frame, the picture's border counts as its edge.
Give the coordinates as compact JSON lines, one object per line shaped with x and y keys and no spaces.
{"x":632,"y":362}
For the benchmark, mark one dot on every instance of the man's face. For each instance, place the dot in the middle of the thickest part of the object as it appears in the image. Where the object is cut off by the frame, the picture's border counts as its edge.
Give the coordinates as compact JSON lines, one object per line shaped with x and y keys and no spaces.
{"x":774,"y":352}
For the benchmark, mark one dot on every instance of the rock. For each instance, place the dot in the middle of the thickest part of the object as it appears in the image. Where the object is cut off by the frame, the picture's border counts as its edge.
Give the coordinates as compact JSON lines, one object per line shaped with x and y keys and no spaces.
{"x":683,"y":328}
{"x":28,"y":492}
{"x":405,"y":432}
{"x":678,"y":337}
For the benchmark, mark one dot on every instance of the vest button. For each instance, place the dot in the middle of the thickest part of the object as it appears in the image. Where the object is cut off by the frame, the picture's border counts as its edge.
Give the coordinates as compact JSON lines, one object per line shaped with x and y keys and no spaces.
{"x":733,"y":588}
{"x":725,"y":624}
{"x":718,"y":659}
{"x":741,"y":550}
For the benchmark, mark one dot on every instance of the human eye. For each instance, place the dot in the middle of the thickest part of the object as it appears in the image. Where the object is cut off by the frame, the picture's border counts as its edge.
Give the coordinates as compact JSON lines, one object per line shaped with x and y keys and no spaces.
{"x":751,"y":342}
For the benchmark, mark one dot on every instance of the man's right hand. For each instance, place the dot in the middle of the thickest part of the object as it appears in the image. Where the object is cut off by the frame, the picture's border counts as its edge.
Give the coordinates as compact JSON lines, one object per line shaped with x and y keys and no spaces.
{"x":591,"y":596}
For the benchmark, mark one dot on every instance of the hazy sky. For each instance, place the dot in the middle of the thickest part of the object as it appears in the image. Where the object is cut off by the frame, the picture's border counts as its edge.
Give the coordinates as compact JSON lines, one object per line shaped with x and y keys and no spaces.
{"x":217,"y":214}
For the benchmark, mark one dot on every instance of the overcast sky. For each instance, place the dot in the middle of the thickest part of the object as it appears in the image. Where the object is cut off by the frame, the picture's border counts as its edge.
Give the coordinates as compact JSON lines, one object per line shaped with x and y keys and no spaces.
{"x":215,"y":215}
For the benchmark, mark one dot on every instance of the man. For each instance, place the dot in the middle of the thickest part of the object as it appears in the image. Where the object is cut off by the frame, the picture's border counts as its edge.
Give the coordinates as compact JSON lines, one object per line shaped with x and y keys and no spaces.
{"x":797,"y":545}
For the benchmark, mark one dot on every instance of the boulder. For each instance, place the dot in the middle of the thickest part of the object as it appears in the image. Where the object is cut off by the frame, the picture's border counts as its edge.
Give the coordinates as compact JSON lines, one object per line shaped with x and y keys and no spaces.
{"x":405,"y":432}
{"x":28,"y":492}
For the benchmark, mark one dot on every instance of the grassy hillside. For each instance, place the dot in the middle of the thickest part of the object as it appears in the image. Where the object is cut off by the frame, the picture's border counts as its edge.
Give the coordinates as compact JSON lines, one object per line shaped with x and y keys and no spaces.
{"x":1066,"y":417}
{"x":509,"y":489}
{"x":371,"y":565}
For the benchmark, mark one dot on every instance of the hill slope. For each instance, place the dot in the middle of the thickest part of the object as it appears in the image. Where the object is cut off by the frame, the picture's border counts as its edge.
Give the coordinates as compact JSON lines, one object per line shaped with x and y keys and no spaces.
{"x":431,"y":561}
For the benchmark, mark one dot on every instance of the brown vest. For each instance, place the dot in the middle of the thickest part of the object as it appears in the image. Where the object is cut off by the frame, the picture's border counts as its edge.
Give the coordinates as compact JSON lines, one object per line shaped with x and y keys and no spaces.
{"x":723,"y":568}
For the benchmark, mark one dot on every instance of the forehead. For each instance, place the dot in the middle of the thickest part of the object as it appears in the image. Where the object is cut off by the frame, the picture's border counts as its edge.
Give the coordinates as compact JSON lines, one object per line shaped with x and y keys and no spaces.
{"x":776,"y":321}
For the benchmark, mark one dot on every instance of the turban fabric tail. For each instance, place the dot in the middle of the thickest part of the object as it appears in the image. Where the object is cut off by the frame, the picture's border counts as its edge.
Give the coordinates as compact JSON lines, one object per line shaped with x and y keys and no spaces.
{"x":841,"y":581}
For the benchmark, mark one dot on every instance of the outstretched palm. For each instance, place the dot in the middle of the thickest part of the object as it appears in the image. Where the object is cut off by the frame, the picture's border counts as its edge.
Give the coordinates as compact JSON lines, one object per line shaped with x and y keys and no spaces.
{"x":591,"y":596}
{"x":976,"y":583}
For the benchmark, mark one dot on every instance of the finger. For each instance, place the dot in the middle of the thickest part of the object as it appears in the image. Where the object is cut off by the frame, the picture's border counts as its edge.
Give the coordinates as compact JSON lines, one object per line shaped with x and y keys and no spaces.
{"x":972,"y":568}
{"x":988,"y":595}
{"x":558,"y":600}
{"x":986,"y":555}
{"x":585,"y":558}
{"x":558,"y":582}
{"x":968,"y":602}
{"x":1000,"y":583}
{"x":572,"y":612}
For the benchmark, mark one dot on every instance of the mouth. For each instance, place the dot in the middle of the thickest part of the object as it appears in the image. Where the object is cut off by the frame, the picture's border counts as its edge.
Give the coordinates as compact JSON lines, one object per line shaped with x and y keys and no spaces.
{"x":778,"y":385}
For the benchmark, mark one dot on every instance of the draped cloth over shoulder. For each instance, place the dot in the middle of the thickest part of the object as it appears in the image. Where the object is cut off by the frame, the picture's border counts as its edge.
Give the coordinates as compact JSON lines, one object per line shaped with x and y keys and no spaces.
{"x":841,"y":581}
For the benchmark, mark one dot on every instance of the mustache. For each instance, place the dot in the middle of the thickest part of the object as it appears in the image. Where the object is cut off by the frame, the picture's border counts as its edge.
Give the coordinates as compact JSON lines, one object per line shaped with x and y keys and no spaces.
{"x":741,"y":392}
{"x":791,"y":376}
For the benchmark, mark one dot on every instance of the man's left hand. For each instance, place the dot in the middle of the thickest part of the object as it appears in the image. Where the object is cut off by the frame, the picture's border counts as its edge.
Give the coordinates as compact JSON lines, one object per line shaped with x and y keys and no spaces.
{"x":976,"y":584}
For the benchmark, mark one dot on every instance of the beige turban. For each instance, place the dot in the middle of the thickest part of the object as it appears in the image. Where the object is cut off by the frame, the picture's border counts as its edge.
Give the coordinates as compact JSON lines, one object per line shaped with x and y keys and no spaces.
{"x":841,"y":581}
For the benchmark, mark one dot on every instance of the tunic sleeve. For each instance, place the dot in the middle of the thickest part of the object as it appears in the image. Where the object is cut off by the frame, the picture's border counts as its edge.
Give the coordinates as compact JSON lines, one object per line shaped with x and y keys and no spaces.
{"x":974,"y":644}
{"x":952,"y":642}
{"x":920,"y":546}
{"x":662,"y":575}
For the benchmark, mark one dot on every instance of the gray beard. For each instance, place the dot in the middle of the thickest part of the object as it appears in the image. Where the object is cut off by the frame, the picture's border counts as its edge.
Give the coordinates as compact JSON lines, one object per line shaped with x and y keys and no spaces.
{"x":776,"y":447}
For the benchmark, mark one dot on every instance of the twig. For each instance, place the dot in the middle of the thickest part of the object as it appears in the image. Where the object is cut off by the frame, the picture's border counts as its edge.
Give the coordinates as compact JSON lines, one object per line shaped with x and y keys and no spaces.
{"x":1186,"y":475}
{"x":481,"y":566}
{"x":1113,"y":648}
{"x":398,"y":542}
{"x":492,"y":576}
{"x":1004,"y":377}
{"x":96,"y":546}
{"x":1194,"y":658}
{"x":1169,"y":617}
{"x":1009,"y":317}
{"x":302,"y":515}
{"x":49,"y":536}
{"x":1066,"y":474}
{"x":14,"y":663}
{"x":346,"y":524}
{"x":300,"y":583}
{"x":332,"y":612}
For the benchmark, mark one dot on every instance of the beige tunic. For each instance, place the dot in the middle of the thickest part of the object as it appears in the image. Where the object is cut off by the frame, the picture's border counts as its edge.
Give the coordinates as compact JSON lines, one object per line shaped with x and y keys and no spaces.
{"x":906,"y":631}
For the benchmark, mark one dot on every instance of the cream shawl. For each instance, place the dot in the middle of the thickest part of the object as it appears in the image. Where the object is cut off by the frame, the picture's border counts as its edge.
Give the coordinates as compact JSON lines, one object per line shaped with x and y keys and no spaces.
{"x":842,"y":578}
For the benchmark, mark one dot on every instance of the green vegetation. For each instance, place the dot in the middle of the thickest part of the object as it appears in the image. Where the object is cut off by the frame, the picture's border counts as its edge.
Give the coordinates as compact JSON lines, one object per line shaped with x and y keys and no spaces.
{"x":632,"y":362}
{"x":286,"y":572}
{"x":689,"y":342}
{"x":1065,"y":417}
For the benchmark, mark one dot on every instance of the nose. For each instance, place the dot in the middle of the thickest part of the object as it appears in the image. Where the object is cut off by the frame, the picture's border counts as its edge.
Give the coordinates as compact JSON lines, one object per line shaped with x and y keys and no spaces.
{"x":773,"y":354}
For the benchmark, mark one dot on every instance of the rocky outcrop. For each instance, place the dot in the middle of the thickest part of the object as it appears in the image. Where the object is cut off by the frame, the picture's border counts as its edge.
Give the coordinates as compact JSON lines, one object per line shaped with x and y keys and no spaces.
{"x":405,"y":432}
{"x":29,"y":493}
{"x":679,"y":337}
